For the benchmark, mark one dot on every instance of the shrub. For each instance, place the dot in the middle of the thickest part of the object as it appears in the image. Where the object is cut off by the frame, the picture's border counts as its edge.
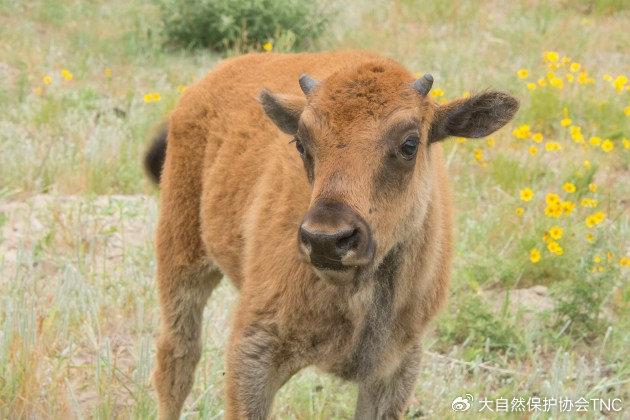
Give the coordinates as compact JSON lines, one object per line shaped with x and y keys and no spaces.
{"x":242,"y":24}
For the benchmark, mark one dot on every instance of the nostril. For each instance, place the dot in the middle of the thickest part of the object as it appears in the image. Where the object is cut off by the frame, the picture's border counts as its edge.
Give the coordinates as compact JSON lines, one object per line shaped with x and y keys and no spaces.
{"x":348,"y":241}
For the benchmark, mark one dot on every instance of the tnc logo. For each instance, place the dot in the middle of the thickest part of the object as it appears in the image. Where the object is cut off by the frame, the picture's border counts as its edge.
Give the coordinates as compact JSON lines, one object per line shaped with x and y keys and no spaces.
{"x":462,"y":403}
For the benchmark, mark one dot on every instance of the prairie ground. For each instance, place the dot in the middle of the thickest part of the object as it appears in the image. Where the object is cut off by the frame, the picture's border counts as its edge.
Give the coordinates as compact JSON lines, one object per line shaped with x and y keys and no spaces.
{"x":540,"y":298}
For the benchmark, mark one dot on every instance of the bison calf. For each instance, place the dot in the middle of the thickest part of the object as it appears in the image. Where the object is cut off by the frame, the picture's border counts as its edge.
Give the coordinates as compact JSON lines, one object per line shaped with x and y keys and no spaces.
{"x":324,"y":199}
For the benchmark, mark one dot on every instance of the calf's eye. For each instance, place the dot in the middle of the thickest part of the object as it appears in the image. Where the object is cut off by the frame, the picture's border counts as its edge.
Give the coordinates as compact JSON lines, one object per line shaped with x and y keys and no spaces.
{"x":409,"y":147}
{"x":298,"y":146}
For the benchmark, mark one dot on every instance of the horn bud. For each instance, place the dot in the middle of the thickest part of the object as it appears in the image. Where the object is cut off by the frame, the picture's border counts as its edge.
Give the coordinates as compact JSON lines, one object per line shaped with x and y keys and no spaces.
{"x":307,"y":83}
{"x":423,"y":85}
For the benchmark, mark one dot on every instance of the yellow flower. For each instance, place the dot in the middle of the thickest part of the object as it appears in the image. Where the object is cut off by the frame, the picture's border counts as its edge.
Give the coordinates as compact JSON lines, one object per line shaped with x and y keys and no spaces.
{"x":590,"y":238}
{"x":597,"y":259}
{"x":519,"y":211}
{"x":607,"y":77}
{"x":533,"y":150}
{"x":569,"y":77}
{"x":587,"y":164}
{"x":522,"y":73}
{"x":148,"y":97}
{"x":592,"y":187}
{"x":490,"y":142}
{"x":565,"y":122}
{"x":576,"y":134}
{"x":466,"y":94}
{"x":267,"y":46}
{"x":551,"y":56}
{"x":156,"y":96}
{"x":619,"y":82}
{"x":522,"y":132}
{"x":67,"y":75}
{"x":460,"y":139}
{"x":557,"y":82}
{"x":552,"y":146}
{"x":624,"y":262}
{"x":151,"y":97}
{"x":47,"y":79}
{"x":542,"y":82}
{"x":436,"y":93}
{"x":626,"y":110}
{"x":526,"y":194}
{"x":555,"y":248}
{"x":531,"y":86}
{"x":556,"y":232}
{"x":569,"y":187}
{"x":107,"y":72}
{"x":575,"y":67}
{"x":595,"y":219}
{"x":478,"y":153}
{"x":589,"y":202}
{"x":610,"y":255}
{"x":607,"y":146}
{"x":565,"y":60}
{"x":537,"y":137}
{"x":552,"y":198}
{"x":534,"y":255}
{"x":626,"y":143}
{"x":595,"y":141}
{"x":567,"y":207}
{"x":553,"y":210}
{"x":181,"y":88}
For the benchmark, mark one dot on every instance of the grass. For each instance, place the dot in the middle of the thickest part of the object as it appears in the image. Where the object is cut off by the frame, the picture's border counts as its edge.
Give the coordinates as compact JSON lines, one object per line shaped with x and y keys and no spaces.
{"x":78,"y":308}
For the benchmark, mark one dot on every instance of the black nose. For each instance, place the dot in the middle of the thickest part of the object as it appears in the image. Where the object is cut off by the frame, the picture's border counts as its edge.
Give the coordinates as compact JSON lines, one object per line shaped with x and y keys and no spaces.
{"x":332,"y":246}
{"x":334,"y":237}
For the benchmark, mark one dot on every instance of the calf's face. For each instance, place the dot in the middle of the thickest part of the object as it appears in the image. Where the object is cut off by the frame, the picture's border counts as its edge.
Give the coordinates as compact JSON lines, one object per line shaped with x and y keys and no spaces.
{"x":364,"y":136}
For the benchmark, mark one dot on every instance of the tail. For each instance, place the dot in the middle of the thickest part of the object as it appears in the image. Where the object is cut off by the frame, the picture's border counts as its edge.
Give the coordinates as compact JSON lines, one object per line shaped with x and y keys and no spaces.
{"x":155,"y":154}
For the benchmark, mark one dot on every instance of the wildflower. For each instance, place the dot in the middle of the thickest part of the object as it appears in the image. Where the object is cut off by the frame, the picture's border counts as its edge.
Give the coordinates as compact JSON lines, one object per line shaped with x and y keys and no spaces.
{"x":478,"y":153}
{"x":67,"y":75}
{"x":592,"y":187}
{"x":552,"y":146}
{"x":574,"y":67}
{"x":619,"y":83}
{"x":607,"y":146}
{"x":490,"y":142}
{"x":597,"y":259}
{"x":589,"y":202}
{"x":576,"y":133}
{"x":609,"y":255}
{"x":607,"y":78}
{"x":595,"y":141}
{"x":47,"y":79}
{"x":595,"y":219}
{"x":553,"y":210}
{"x":522,"y":132}
{"x":567,"y":207}
{"x":531,"y":86}
{"x":267,"y":46}
{"x":533,"y":150}
{"x":587,"y":164}
{"x":556,"y":232}
{"x":151,"y":97}
{"x":569,"y":187}
{"x":555,"y":248}
{"x":583,"y":78}
{"x":590,"y":238}
{"x":552,"y":198}
{"x":557,"y":82}
{"x":534,"y":255}
{"x":626,"y":110}
{"x":626,"y":143}
{"x":522,"y":73}
{"x":537,"y":137}
{"x":181,"y":88}
{"x":551,"y":56}
{"x":565,"y":122}
{"x":460,"y":139}
{"x":526,"y":194}
{"x":519,"y":211}
{"x":436,"y":93}
{"x":466,"y":94}
{"x":542,"y":82}
{"x":569,"y":77}
{"x":624,"y":262}
{"x":107,"y":72}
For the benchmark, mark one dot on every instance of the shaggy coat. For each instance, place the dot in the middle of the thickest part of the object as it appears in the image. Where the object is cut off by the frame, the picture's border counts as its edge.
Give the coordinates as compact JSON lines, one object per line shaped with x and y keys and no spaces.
{"x":254,"y":186}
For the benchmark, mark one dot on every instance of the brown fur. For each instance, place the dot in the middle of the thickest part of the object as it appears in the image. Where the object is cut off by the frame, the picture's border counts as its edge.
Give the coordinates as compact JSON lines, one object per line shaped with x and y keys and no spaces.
{"x":234,"y":192}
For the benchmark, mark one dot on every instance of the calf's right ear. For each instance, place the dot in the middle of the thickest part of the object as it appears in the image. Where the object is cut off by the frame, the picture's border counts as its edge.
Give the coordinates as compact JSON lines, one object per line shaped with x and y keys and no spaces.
{"x":283,"y":110}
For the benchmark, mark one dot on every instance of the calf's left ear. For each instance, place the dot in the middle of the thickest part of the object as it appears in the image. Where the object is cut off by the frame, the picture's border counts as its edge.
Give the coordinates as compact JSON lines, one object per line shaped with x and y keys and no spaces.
{"x":477,"y":116}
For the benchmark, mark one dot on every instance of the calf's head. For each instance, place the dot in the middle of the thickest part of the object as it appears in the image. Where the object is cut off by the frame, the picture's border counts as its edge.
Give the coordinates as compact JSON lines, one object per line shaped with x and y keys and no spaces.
{"x":365,"y":136}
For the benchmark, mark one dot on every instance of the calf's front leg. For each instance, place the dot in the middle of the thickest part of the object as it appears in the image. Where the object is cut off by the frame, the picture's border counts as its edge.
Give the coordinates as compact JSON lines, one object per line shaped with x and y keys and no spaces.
{"x":387,"y":398}
{"x":258,"y":364}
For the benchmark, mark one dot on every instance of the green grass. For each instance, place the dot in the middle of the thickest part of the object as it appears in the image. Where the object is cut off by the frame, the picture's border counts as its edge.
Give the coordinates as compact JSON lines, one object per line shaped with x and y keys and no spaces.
{"x":78,"y":309}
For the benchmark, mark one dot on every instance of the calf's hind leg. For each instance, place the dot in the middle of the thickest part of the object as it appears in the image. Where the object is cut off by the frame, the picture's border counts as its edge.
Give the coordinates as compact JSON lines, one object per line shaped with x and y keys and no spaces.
{"x":186,"y":276}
